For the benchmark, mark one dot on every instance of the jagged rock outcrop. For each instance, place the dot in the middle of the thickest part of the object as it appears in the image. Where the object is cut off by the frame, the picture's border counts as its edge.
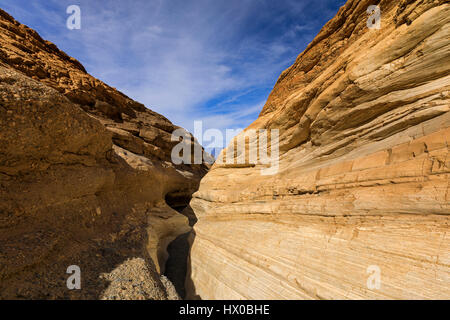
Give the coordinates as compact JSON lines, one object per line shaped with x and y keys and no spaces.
{"x":84,"y":174}
{"x":363,"y":179}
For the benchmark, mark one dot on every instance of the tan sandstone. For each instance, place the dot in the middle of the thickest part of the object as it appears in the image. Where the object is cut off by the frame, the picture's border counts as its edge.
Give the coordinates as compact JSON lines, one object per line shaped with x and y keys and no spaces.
{"x":364,"y":171}
{"x":85,"y":172}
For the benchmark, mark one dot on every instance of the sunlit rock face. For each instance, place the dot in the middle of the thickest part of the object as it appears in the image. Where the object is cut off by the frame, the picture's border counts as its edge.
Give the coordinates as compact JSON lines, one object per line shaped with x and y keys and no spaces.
{"x":84,"y":175}
{"x":359,"y":207}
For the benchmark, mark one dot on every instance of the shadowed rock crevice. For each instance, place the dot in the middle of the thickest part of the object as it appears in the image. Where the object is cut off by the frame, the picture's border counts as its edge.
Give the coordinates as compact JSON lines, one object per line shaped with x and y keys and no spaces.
{"x":177,"y":263}
{"x":176,"y":267}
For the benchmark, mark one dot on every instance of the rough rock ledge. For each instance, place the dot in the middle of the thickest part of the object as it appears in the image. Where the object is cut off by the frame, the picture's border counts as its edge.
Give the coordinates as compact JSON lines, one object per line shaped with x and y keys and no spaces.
{"x":84,"y":176}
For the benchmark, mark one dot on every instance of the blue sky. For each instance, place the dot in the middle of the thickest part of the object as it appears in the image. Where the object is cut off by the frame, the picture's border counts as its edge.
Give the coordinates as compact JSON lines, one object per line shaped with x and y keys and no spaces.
{"x":209,"y":60}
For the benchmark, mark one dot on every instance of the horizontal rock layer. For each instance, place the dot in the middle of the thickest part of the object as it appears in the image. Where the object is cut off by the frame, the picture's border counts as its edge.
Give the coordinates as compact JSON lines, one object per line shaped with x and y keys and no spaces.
{"x":363,"y":178}
{"x":84,"y":175}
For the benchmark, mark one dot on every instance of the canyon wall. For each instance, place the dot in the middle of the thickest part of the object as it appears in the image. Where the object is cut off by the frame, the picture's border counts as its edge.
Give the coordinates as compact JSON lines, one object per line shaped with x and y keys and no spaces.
{"x":86,"y":177}
{"x":362,"y":189}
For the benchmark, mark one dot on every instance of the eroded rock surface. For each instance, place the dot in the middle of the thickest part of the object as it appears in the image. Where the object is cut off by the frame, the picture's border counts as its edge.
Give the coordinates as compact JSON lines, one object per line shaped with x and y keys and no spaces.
{"x":363,"y":181}
{"x":84,"y":174}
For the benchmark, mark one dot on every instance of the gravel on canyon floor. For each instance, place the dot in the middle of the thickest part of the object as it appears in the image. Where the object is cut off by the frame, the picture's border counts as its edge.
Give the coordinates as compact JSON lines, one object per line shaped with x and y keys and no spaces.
{"x":136,"y":280}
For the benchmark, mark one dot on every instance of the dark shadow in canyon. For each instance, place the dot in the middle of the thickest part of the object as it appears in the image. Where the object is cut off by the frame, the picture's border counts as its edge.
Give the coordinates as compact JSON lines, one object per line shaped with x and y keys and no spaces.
{"x":177,"y":268}
{"x":189,"y":283}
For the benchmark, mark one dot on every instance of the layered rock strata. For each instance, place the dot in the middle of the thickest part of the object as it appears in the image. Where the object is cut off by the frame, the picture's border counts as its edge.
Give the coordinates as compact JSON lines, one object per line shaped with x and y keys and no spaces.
{"x":359,"y":207}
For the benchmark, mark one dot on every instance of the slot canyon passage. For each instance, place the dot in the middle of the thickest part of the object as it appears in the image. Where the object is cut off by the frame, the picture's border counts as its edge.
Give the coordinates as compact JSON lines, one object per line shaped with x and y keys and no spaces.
{"x":86,"y":176}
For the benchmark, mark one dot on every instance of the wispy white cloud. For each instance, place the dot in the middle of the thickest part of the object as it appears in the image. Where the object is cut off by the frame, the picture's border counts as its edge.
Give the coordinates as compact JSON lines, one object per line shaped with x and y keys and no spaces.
{"x":214,"y":61}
